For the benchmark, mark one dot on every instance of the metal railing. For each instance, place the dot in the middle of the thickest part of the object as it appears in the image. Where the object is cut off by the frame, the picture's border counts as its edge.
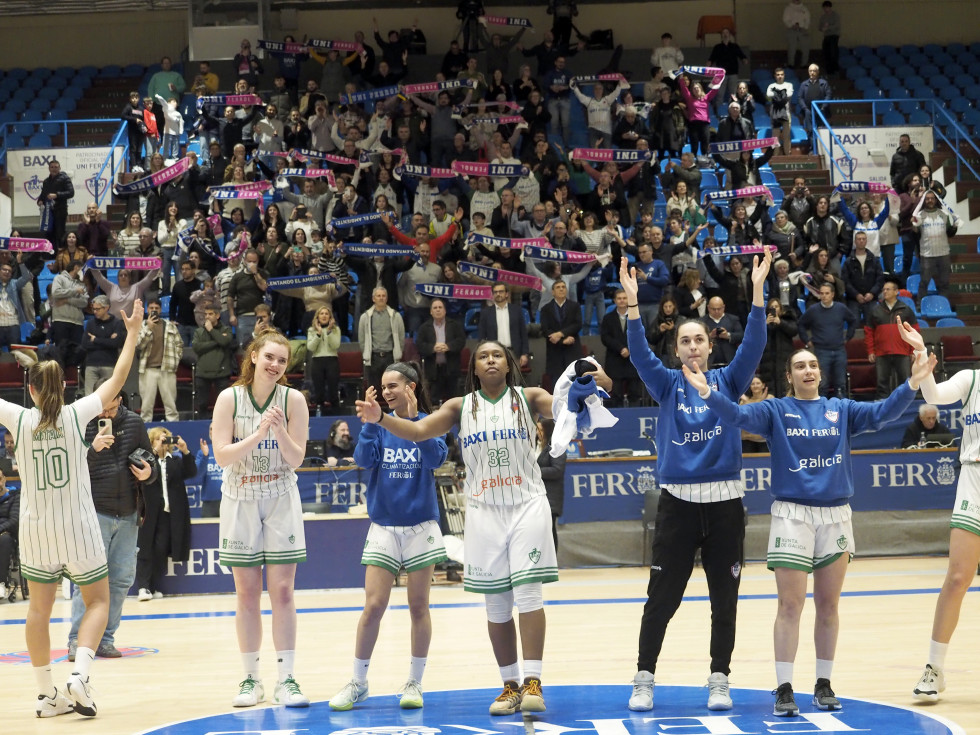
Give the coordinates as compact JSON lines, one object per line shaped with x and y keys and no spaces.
{"x":120,"y":138}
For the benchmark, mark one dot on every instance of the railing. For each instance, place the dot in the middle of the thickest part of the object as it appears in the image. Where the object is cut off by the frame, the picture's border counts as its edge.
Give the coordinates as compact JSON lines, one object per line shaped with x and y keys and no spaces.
{"x":120,"y":138}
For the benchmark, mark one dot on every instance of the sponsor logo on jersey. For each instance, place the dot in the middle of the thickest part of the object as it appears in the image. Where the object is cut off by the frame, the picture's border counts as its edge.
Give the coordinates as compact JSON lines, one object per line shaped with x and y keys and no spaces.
{"x":431,"y":539}
{"x":292,"y":539}
{"x":842,"y":542}
{"x":788,"y":543}
{"x":831,"y":416}
{"x":477,"y":572}
{"x":812,"y":463}
{"x":249,"y":479}
{"x":792,"y":416}
{"x":490,"y":483}
{"x":401,"y":456}
{"x":701,"y":435}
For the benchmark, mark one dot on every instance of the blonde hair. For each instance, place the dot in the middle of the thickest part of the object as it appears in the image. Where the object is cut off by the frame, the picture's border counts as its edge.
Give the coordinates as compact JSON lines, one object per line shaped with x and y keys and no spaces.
{"x":48,"y":381}
{"x":156,"y":432}
{"x":247,"y":375}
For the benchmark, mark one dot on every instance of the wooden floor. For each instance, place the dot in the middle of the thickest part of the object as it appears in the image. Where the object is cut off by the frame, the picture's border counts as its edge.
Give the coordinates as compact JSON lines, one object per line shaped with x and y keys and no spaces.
{"x":193,"y":667}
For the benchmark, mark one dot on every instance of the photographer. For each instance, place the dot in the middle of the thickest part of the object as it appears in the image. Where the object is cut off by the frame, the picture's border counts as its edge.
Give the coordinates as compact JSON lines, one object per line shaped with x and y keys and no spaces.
{"x":115,"y":478}
{"x":166,"y":532}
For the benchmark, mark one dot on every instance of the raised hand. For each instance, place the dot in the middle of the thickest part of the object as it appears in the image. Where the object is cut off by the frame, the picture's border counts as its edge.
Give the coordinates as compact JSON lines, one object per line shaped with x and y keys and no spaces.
{"x":134,"y":321}
{"x":368,"y":410}
{"x":910,"y":334}
{"x":696,"y":378}
{"x":627,"y":279}
{"x":922,"y":370}
{"x":761,"y":269}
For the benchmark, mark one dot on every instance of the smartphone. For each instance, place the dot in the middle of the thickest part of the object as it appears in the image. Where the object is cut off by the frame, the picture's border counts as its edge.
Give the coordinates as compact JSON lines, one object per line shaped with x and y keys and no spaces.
{"x":105,"y":426}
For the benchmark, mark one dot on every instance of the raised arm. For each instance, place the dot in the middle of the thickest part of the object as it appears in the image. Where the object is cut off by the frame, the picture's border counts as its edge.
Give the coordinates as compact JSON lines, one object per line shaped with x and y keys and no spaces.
{"x":435,"y":424}
{"x":134,"y":322}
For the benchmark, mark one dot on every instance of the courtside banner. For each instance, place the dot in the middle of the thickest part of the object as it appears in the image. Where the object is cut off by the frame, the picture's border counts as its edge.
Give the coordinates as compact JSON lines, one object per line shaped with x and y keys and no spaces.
{"x":746,"y":192}
{"x":562,"y":256}
{"x":610,"y":154}
{"x":281,"y":282}
{"x":380,"y":93}
{"x":26,"y":244}
{"x":510,"y":244}
{"x":159,"y":178}
{"x":505,"y":20}
{"x":497,"y":275}
{"x":113,"y":263}
{"x":724,"y":250}
{"x":452,"y":291}
{"x":737,"y":146}
{"x":505,"y":170}
{"x":379,"y":251}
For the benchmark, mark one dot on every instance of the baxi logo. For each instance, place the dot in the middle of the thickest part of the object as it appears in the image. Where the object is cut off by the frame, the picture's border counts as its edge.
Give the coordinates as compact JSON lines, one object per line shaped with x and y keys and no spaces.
{"x":847,"y":165}
{"x":94,"y":184}
{"x":587,"y":710}
{"x":32,"y":187}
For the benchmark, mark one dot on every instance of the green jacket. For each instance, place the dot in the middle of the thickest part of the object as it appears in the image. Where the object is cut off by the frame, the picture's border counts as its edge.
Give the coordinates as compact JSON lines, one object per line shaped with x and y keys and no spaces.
{"x":213,"y":350}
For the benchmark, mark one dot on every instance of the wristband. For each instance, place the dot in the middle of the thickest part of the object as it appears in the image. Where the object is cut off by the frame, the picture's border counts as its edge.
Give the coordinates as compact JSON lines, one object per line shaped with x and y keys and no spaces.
{"x":633,"y":306}
{"x":705,"y":396}
{"x":378,"y":422}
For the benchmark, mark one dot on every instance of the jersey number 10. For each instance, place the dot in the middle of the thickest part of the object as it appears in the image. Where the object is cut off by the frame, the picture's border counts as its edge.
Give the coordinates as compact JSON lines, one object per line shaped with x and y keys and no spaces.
{"x":51,"y":468}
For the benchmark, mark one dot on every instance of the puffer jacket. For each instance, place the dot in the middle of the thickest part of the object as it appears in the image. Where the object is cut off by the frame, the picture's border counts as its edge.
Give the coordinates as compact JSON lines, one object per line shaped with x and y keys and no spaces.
{"x":113,"y":485}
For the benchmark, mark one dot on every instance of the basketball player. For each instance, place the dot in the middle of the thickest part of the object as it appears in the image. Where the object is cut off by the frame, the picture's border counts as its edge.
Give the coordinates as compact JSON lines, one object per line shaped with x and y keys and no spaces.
{"x":507,"y":541}
{"x":260,"y":429}
{"x":59,"y":529}
{"x":404,"y":530}
{"x":964,"y":534}
{"x":698,"y":464}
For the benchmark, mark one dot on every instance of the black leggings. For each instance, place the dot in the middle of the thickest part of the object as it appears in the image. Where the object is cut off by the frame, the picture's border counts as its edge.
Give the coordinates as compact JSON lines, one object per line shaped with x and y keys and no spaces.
{"x":325,"y":377}
{"x":697,"y":135}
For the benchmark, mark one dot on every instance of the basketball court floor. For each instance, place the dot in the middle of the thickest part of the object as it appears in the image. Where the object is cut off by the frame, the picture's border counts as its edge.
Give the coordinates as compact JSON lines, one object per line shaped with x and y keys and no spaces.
{"x":181,"y":666}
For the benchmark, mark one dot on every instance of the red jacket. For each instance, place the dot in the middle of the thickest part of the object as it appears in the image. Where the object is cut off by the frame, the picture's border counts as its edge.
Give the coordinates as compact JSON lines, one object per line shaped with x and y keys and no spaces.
{"x":881,"y":332}
{"x":435,"y":244}
{"x":150,"y":120}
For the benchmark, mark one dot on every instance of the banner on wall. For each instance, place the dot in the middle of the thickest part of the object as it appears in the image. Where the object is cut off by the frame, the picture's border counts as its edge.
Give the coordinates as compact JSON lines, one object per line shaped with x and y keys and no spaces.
{"x":870,"y":150}
{"x":29,"y":168}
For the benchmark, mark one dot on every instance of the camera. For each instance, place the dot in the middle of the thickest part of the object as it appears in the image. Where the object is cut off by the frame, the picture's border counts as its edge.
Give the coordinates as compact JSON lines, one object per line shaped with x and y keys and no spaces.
{"x":171,"y":439}
{"x":771,"y":312}
{"x":138,"y":456}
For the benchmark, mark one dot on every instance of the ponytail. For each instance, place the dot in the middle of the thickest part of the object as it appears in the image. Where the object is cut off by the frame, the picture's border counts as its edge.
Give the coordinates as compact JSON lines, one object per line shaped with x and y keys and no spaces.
{"x":48,"y":381}
{"x":412,"y":372}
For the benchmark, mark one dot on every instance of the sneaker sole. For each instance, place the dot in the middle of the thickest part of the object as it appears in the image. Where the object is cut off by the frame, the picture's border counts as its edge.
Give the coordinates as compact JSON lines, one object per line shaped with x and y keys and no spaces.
{"x":639,"y":707}
{"x":532,"y":704}
{"x":720,"y":706}
{"x":786,"y":713}
{"x":826,"y":707}
{"x":926,"y":696}
{"x":82,"y":708}
{"x":295,"y":705}
{"x":505,"y":712}
{"x":410,"y":704}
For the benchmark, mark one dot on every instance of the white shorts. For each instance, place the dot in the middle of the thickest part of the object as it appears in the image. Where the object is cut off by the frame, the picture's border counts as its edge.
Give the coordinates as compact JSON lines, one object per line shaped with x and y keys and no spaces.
{"x":966,"y":509}
{"x":808,"y":537}
{"x":81,"y":572}
{"x":508,"y":545}
{"x":262,"y":531}
{"x":414,"y":547}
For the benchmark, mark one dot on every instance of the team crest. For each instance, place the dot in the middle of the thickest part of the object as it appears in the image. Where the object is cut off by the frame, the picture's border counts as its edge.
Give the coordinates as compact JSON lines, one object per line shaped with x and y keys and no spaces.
{"x":736,"y":570}
{"x":95,"y":184}
{"x":646,"y":479}
{"x":494,"y":418}
{"x":431,"y":539}
{"x":292,"y":539}
{"x":965,"y":505}
{"x":514,"y":406}
{"x":534,"y":556}
{"x":831,"y":416}
{"x":776,"y":545}
{"x":33,"y":187}
{"x":946,"y":471}
{"x":842,"y":542}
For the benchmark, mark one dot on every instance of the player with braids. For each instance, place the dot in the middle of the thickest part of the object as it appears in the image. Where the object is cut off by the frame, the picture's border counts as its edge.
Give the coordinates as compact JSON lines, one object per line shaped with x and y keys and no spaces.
{"x":404,"y":530}
{"x":509,"y":549}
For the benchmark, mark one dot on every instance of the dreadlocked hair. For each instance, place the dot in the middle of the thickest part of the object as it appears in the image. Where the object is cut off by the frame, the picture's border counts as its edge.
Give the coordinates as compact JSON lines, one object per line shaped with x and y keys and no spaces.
{"x":264,"y":337}
{"x":48,"y":381}
{"x":514,"y":380}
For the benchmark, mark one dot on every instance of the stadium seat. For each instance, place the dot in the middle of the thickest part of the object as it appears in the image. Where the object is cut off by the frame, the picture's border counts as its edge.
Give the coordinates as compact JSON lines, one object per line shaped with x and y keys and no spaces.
{"x":31,"y":116}
{"x":133,"y":70}
{"x":49,"y":93}
{"x":903,"y":71}
{"x":32,"y":83}
{"x":14,"y":141}
{"x":39,"y":140}
{"x":15,"y":106}
{"x":920,"y":117}
{"x":908,"y":49}
{"x":923,"y":92}
{"x":879,"y":71}
{"x":936,"y":307}
{"x":73,"y":92}
{"x":932,"y":50}
{"x":963,"y":80}
{"x":972,"y":92}
{"x":23,"y":129}
{"x":950,"y":321}
{"x":960,"y":105}
{"x":909,"y":303}
{"x":63,"y":106}
{"x":862,"y":52}
{"x":865,"y":83}
{"x":952,"y":69}
{"x":17,"y":73}
{"x":955,"y":48}
{"x":111,"y":71}
{"x":907,"y":107}
{"x":66,"y":72}
{"x":24,"y":95}
{"x":49,"y":128}
{"x":930,"y":71}
{"x":55,"y":84}
{"x":893,"y":117}
{"x":8,"y":116}
{"x":855,"y":72}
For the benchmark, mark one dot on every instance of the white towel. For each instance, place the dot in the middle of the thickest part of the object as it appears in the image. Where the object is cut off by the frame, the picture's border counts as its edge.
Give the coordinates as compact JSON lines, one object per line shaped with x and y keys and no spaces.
{"x":566,"y":421}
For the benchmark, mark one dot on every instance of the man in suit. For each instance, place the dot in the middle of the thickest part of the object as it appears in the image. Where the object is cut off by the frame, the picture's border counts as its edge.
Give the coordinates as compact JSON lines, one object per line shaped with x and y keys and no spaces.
{"x":725,"y":332}
{"x":503,"y":322}
{"x":561,"y":323}
{"x":618,"y":366}
{"x":440,"y":342}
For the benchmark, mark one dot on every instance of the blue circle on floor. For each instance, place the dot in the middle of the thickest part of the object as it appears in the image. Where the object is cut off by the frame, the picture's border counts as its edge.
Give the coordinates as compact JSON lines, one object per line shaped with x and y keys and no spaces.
{"x":591,"y":710}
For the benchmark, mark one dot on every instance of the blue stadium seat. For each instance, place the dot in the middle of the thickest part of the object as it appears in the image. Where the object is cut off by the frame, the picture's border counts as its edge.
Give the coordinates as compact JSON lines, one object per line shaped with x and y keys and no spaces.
{"x":40,"y":104}
{"x":972,"y":92}
{"x":971,"y":117}
{"x":959,"y":105}
{"x":24,"y":95}
{"x":932,"y":49}
{"x":7,"y":116}
{"x":948,"y":93}
{"x":963,"y":80}
{"x":768,"y":177}
{"x":32,"y":83}
{"x":855,"y":72}
{"x":908,"y":49}
{"x":955,"y":48}
{"x":55,"y":84}
{"x":65,"y":105}
{"x":31,"y":116}
{"x":89,"y":71}
{"x":920,"y":117}
{"x":907,"y":107}
{"x":14,"y":141}
{"x":918,"y":60}
{"x":67,"y":72}
{"x":39,"y":140}
{"x":18,"y":73}
{"x":936,"y":307}
{"x":893,"y":61}
{"x":893,"y":117}
{"x":49,"y":128}
{"x":913,"y":81}
{"x":953,"y":70}
{"x":886,"y":49}
{"x":865,"y":84}
{"x":974,"y":68}
{"x":23,"y":129}
{"x":15,"y":106}
{"x":111,"y":71}
{"x":890,"y":82}
{"x":73,"y":92}
{"x":879,"y":71}
{"x":950,"y":321}
{"x":942,"y":60}
{"x":903,"y":71}
{"x":471,"y":321}
{"x":49,"y":93}
{"x":930,"y":71}
{"x":862,"y":51}
{"x":133,"y":70}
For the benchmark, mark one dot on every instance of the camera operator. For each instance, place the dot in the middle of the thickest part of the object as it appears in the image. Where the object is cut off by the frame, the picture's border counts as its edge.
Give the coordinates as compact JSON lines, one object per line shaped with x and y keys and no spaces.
{"x":113,"y":436}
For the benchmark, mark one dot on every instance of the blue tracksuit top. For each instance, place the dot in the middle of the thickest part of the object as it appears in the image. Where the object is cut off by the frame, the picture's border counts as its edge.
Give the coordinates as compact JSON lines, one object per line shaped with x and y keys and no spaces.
{"x":692,"y":444}
{"x":810,"y":441}
{"x":402,"y":489}
{"x":210,"y":476}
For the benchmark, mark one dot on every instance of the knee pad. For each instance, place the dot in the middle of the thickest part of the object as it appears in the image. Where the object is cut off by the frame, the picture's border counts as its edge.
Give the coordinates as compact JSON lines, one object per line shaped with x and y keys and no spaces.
{"x":500,"y":607}
{"x":528,"y":597}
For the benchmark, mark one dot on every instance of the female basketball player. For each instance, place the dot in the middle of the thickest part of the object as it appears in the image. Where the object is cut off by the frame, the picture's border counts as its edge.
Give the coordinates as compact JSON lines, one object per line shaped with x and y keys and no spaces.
{"x":260,"y":429}
{"x":59,"y":530}
{"x":699,"y":464}
{"x":507,"y":541}
{"x":810,"y":440}
{"x":404,"y":530}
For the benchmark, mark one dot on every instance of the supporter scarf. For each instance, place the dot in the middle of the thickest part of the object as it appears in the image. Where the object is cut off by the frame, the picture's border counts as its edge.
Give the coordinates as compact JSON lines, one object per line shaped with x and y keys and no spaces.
{"x":214,"y":221}
{"x":380,"y":93}
{"x":379,"y":251}
{"x":251,"y":186}
{"x":454,"y":291}
{"x":505,"y":20}
{"x":114,"y":263}
{"x":427,"y":87}
{"x":310,"y":173}
{"x":704,"y":71}
{"x":355,"y":220}
{"x":861,"y":187}
{"x":536,"y":252}
{"x":506,"y":170}
{"x":498,"y":103}
{"x":737,"y":146}
{"x":503,"y":242}
{"x":423,"y":172}
{"x":26,"y":244}
{"x":611,"y":154}
{"x":236,"y":100}
{"x":158,"y":179}
{"x":726,"y":250}
{"x":493,"y":120}
{"x":278,"y":47}
{"x":748,"y":191}
{"x":305,"y":154}
{"x":592,"y":78}
{"x":280,"y":282}
{"x":499,"y":276}
{"x":187,"y":238}
{"x":46,"y":220}
{"x":335,"y":45}
{"x":256,"y":195}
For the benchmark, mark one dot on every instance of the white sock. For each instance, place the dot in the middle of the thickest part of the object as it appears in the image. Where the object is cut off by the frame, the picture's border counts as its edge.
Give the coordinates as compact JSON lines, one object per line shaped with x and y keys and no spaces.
{"x":784,"y":672}
{"x":285,"y":660}
{"x":417,"y":668}
{"x":532,"y":668}
{"x":824,"y":668}
{"x":45,"y":684}
{"x":937,"y":654}
{"x":511,"y":672}
{"x":250,"y":662}
{"x":361,"y":669}
{"x":83,"y":661}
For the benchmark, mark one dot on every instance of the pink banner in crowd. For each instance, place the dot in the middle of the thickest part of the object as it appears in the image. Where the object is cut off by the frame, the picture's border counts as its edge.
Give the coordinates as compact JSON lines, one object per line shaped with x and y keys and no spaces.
{"x":610,"y":154}
{"x":114,"y":262}
{"x":505,"y":20}
{"x":599,"y":78}
{"x":497,"y":275}
{"x":503,"y":242}
{"x":857,"y":187}
{"x":746,"y":192}
{"x":737,"y":146}
{"x":427,"y":87}
{"x":336,"y":45}
{"x":251,"y":186}
{"x":724,"y":250}
{"x":26,"y":244}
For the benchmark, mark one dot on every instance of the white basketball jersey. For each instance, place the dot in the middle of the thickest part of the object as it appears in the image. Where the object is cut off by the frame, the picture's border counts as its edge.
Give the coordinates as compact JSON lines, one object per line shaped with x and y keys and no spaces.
{"x":970,"y":441}
{"x":498,"y":447}
{"x":262,"y":473}
{"x":58,"y":523}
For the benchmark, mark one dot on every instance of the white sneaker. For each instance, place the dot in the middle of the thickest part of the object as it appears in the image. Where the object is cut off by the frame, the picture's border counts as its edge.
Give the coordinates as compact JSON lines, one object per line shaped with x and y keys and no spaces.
{"x":411,"y":695}
{"x":59,"y":704}
{"x":144,"y":595}
{"x":3,"y":595}
{"x":66,"y":588}
{"x":287,"y":692}
{"x":352,"y":693}
{"x":930,"y":685}
{"x":718,"y":696}
{"x":250,"y":693}
{"x":157,"y":595}
{"x":80,"y":690}
{"x":642,"y":698}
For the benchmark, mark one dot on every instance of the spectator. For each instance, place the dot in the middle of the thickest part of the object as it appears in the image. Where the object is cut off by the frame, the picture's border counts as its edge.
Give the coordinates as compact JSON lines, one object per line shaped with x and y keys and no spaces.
{"x":688,"y":172}
{"x":935,"y":223}
{"x":783,"y":234}
{"x":829,"y":25}
{"x":454,"y":61}
{"x":557,"y":82}
{"x":661,"y":333}
{"x":323,"y":365}
{"x":523,"y":86}
{"x":246,"y":291}
{"x":734,"y":285}
{"x":779,"y":95}
{"x":653,"y":88}
{"x":210,"y":478}
{"x":667,"y":57}
{"x":128,"y":238}
{"x":814,"y":89}
{"x":796,"y":18}
{"x":248,"y":65}
{"x":821,"y":268}
{"x":340,"y":446}
{"x":726,"y":55}
{"x":652,"y":278}
{"x":863,"y":279}
{"x":68,"y":297}
{"x":395,"y":50}
{"x":93,"y":231}
{"x":104,"y":337}
{"x":781,"y":330}
{"x":725,"y":332}
{"x":9,"y":519}
{"x":440,"y":342}
{"x":824,"y":230}
{"x":164,"y":83}
{"x":744,"y":170}
{"x":214,"y":346}
{"x":160,"y":349}
{"x":865,"y":220}
{"x":691,"y":301}
{"x":56,"y":190}
{"x":547,"y":53}
{"x":758,"y":391}
{"x":631,"y":132}
{"x":116,"y":494}
{"x":824,"y":328}
{"x":598,"y":110}
{"x":12,"y":314}
{"x":132,"y":114}
{"x":906,"y":160}
{"x":746,"y":101}
{"x":667,"y":128}
{"x":122,"y":295}
{"x":563,"y":12}
{"x":734,"y":126}
{"x":627,"y":389}
{"x":908,"y":197}
{"x":799,"y":205}
{"x":923,"y":426}
{"x":696,"y":111}
{"x":889,"y":353}
{"x":181,"y":304}
{"x":469,"y":12}
{"x":561,"y":324}
{"x":499,"y":52}
{"x":166,"y":532}
{"x":381,"y":332}
{"x":784,"y":286}
{"x":503,"y":322}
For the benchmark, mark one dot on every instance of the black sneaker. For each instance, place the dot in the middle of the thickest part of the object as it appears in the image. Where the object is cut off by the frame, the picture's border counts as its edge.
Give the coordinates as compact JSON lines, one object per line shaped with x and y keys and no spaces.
{"x":107,"y":650}
{"x":823,"y":696}
{"x":785,"y":701}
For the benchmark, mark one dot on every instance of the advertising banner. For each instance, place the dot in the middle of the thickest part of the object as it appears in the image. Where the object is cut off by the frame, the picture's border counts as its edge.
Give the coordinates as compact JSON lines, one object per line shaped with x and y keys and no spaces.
{"x":29,"y":168}
{"x":870,"y":149}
